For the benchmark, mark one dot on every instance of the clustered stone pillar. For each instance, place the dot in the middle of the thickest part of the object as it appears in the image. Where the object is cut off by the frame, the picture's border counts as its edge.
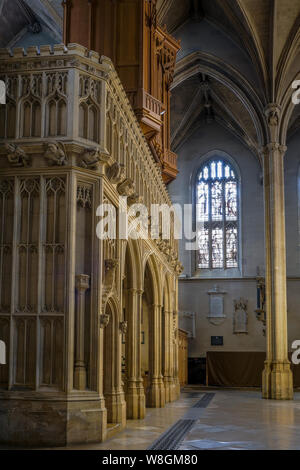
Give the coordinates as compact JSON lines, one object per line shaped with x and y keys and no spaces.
{"x":167,"y":354}
{"x":135,"y":398}
{"x":156,"y":392}
{"x":277,"y":374}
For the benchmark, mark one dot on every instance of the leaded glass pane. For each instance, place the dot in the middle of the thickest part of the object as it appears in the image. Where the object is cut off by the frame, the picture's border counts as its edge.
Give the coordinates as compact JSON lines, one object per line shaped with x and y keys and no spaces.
{"x":216,"y":205}
{"x":217,"y":247}
{"x":216,"y":200}
{"x":231,"y":246}
{"x":203,"y":202}
{"x":203,"y":252}
{"x":231,"y":200}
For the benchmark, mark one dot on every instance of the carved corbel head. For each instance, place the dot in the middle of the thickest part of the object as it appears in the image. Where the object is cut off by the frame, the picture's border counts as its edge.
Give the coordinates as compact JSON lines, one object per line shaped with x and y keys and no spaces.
{"x":55,"y":154}
{"x":116,"y":173}
{"x":104,"y":320}
{"x":91,"y":158}
{"x":126,"y":188}
{"x":16,"y":156}
{"x":110,"y":266}
{"x":134,"y":199}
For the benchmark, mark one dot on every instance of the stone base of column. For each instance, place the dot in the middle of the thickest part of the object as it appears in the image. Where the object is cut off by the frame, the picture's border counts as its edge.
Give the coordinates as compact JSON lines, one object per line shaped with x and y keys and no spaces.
{"x":168,"y":383}
{"x":174,"y":390}
{"x":156,"y":394}
{"x":277,"y":381}
{"x":44,"y":422}
{"x":116,"y":408}
{"x":80,"y":377}
{"x":135,"y":400}
{"x":266,"y":380}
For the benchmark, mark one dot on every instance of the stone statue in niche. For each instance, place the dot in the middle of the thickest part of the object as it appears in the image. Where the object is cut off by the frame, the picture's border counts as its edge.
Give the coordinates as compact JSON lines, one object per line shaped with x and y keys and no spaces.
{"x":216,"y":314}
{"x":240,"y":317}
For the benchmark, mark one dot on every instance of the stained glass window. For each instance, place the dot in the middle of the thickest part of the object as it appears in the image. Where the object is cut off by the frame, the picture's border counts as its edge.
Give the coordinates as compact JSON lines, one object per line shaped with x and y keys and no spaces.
{"x":217,"y":216}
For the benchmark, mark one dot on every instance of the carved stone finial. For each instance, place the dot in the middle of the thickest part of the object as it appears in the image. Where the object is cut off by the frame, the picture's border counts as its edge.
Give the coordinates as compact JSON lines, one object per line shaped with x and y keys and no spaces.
{"x":55,"y":154}
{"x":16,"y":156}
{"x":104,"y":320}
{"x":116,"y":173}
{"x":123,"y":327}
{"x":91,"y":158}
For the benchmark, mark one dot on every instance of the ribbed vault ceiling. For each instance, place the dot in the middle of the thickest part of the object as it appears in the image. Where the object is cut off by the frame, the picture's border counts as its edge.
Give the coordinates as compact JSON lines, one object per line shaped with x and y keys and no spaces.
{"x":256,"y":39}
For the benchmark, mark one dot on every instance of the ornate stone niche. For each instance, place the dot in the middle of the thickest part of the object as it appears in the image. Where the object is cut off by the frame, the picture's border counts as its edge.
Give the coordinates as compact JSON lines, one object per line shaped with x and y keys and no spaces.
{"x":216,"y":314}
{"x":240,"y":317}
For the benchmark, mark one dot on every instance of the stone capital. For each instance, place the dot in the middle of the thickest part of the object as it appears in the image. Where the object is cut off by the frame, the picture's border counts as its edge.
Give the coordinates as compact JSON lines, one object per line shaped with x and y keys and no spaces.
{"x":273,"y":147}
{"x":82,"y":282}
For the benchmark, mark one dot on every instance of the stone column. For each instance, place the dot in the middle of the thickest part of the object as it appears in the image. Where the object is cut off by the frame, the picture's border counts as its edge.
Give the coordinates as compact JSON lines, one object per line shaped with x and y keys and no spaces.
{"x":135,"y":398}
{"x":156,"y":391}
{"x":167,"y":351}
{"x":277,"y":380}
{"x":82,"y":282}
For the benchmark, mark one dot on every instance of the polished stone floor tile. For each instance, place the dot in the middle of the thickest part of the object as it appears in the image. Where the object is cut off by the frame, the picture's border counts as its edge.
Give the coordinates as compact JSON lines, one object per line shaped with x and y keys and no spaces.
{"x":232,"y":420}
{"x":242,"y":420}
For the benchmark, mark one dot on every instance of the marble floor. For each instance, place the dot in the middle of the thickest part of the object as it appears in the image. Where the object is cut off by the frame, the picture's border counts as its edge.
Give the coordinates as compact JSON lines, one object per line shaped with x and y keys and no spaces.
{"x":233,"y":419}
{"x":228,"y":419}
{"x":243,"y":420}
